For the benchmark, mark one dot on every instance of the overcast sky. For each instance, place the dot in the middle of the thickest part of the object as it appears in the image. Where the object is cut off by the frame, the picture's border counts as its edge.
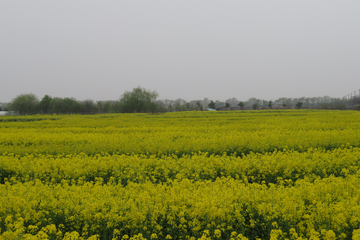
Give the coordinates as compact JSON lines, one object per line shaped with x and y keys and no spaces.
{"x":181,"y":49}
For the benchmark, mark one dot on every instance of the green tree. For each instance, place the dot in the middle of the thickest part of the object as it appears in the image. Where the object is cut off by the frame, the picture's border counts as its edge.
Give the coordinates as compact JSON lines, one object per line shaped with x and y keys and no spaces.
{"x":25,"y":104}
{"x":255,"y":106}
{"x":270,"y":104}
{"x":56,"y":105}
{"x":241,"y":104}
{"x":198,"y":106}
{"x":105,"y":106}
{"x":88,"y":107}
{"x":71,"y":105}
{"x":211,"y":105}
{"x":139,"y":100}
{"x":227,"y":105}
{"x":45,"y":104}
{"x":299,"y":105}
{"x":64,"y":106}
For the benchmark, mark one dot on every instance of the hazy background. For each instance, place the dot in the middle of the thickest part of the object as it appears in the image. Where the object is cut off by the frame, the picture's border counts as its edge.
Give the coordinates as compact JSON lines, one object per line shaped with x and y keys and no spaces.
{"x":181,"y":49}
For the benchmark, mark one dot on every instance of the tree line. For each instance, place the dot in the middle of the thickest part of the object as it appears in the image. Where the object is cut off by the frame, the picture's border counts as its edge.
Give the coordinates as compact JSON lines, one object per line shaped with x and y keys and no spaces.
{"x":140,"y":100}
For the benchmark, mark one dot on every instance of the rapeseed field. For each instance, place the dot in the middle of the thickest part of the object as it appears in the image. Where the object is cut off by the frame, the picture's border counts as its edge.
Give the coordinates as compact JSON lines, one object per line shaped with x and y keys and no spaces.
{"x":277,"y":174}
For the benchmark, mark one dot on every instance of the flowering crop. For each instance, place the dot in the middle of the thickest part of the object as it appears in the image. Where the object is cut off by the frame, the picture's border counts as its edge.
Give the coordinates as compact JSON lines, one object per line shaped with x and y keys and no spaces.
{"x":190,"y":175}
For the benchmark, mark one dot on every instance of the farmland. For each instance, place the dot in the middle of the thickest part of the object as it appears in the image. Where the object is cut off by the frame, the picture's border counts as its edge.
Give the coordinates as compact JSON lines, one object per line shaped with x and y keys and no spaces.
{"x":277,"y":174}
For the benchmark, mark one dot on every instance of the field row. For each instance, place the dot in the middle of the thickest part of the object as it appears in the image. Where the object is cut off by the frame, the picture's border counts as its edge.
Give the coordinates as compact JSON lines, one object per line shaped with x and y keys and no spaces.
{"x":181,"y":142}
{"x":182,"y":133}
{"x":183,"y":209}
{"x":122,"y":169}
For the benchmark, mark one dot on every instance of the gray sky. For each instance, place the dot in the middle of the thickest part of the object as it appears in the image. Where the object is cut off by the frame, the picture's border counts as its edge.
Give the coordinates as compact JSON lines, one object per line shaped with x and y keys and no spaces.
{"x":181,"y":49}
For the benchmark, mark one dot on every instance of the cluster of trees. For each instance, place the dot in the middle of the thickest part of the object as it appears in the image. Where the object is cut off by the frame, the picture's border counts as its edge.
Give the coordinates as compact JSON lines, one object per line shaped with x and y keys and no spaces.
{"x":255,"y":103}
{"x":353,"y":103}
{"x":4,"y":107}
{"x":325,"y":102}
{"x":141,"y":100}
{"x":30,"y":104}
